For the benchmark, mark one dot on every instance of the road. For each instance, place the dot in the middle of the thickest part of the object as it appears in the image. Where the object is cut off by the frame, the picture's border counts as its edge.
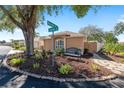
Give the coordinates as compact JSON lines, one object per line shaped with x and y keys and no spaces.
{"x":3,"y":51}
{"x":9,"y":79}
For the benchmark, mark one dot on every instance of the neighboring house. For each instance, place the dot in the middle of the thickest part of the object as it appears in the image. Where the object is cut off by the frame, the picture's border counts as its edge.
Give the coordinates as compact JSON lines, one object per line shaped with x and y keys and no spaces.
{"x":20,"y":42}
{"x":64,"y":40}
{"x":4,"y":43}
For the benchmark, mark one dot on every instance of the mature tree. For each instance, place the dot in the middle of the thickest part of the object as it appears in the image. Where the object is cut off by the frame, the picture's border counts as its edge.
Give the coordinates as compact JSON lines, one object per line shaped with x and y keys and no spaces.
{"x":119,"y":28}
{"x":93,"y":33}
{"x":27,"y":18}
{"x":110,"y":37}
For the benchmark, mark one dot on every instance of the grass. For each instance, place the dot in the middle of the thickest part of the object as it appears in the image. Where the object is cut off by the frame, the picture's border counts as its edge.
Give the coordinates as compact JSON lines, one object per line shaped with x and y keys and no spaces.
{"x":16,"y":61}
{"x":36,"y":65}
{"x":121,"y":53}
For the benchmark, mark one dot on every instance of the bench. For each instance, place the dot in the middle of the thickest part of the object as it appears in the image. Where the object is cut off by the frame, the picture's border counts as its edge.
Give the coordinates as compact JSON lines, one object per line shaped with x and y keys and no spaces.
{"x":75,"y":52}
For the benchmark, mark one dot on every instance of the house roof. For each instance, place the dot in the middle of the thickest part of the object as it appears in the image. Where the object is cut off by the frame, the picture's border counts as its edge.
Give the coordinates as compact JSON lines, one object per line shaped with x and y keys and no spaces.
{"x":68,"y":33}
{"x":64,"y":33}
{"x":41,"y":37}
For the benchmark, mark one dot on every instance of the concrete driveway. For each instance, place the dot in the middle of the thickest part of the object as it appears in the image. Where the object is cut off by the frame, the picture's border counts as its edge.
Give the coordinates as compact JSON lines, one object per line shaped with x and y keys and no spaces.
{"x":9,"y":79}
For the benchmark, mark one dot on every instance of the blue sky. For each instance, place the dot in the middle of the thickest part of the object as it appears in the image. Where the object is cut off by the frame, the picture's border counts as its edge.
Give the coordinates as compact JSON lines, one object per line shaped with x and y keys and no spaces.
{"x":105,"y":18}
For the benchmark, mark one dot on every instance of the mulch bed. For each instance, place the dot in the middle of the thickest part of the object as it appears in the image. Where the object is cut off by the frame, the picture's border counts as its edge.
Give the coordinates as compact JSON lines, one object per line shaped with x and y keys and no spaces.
{"x":115,"y":58}
{"x":82,"y":68}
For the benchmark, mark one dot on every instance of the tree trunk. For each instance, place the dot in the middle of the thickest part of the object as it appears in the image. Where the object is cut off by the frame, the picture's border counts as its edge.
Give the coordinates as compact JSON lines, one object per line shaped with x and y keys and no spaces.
{"x":29,"y":41}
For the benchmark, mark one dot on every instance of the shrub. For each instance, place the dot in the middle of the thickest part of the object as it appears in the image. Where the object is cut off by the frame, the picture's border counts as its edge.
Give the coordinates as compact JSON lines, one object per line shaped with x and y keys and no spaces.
{"x":65,"y":69}
{"x":113,"y":48}
{"x":40,"y":55}
{"x":59,"y":51}
{"x":22,"y":48}
{"x":13,"y":56}
{"x":36,"y":65}
{"x":107,"y":48}
{"x":37,"y":55}
{"x":49,"y":52}
{"x":44,"y":54}
{"x":95,"y":67}
{"x":116,"y":48}
{"x":16,"y":61}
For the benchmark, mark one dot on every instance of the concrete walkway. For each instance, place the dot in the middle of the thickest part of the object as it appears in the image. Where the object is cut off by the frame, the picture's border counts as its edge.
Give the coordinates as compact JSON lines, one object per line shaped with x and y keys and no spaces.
{"x":115,"y":67}
{"x":14,"y":52}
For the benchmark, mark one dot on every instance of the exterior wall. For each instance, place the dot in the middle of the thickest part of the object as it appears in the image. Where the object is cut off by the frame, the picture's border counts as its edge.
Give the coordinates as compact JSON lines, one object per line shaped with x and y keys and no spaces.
{"x":91,"y":46}
{"x":41,"y":44}
{"x":47,"y":44}
{"x":99,"y":46}
{"x":77,"y":42}
{"x":38,"y":44}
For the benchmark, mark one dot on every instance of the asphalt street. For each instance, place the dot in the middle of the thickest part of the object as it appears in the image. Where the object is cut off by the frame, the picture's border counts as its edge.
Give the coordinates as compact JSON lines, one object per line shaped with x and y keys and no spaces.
{"x":3,"y":51}
{"x":9,"y":79}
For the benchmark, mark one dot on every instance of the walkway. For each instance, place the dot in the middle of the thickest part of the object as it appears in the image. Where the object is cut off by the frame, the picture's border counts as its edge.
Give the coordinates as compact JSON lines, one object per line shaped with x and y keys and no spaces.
{"x":117,"y":68}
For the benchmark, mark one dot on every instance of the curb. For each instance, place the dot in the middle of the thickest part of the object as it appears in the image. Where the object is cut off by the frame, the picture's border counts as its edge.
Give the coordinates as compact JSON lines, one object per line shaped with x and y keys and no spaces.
{"x":103,"y":78}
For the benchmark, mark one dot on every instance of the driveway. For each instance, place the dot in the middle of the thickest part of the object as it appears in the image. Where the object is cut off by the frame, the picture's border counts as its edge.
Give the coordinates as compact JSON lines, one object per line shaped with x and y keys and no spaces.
{"x":9,"y":79}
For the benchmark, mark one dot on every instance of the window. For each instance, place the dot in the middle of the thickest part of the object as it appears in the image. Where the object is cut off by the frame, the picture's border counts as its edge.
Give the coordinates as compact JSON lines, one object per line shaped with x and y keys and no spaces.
{"x":59,"y":43}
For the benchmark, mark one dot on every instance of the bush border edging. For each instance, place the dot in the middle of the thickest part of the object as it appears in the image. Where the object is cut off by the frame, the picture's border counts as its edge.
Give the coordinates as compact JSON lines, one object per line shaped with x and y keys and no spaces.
{"x":103,"y":78}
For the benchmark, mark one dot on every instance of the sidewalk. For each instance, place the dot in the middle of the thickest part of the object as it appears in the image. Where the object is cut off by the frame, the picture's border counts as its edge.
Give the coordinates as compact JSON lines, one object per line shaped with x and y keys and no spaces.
{"x":14,"y":52}
{"x":117,"y":68}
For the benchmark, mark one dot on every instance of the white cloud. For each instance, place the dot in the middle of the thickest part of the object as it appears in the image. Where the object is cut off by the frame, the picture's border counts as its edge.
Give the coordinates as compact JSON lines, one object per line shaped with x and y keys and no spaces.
{"x":121,"y":18}
{"x":5,"y":35}
{"x":121,"y":38}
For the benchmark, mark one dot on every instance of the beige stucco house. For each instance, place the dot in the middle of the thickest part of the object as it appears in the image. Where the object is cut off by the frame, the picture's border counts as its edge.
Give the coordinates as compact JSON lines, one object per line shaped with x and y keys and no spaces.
{"x":61,"y":40}
{"x":65,"y":40}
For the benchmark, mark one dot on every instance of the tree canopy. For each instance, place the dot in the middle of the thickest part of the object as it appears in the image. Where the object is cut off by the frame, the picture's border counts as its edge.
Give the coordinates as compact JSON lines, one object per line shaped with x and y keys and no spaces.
{"x":93,"y":33}
{"x":110,"y":37}
{"x":14,"y":16}
{"x":119,"y":28}
{"x":28,"y":17}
